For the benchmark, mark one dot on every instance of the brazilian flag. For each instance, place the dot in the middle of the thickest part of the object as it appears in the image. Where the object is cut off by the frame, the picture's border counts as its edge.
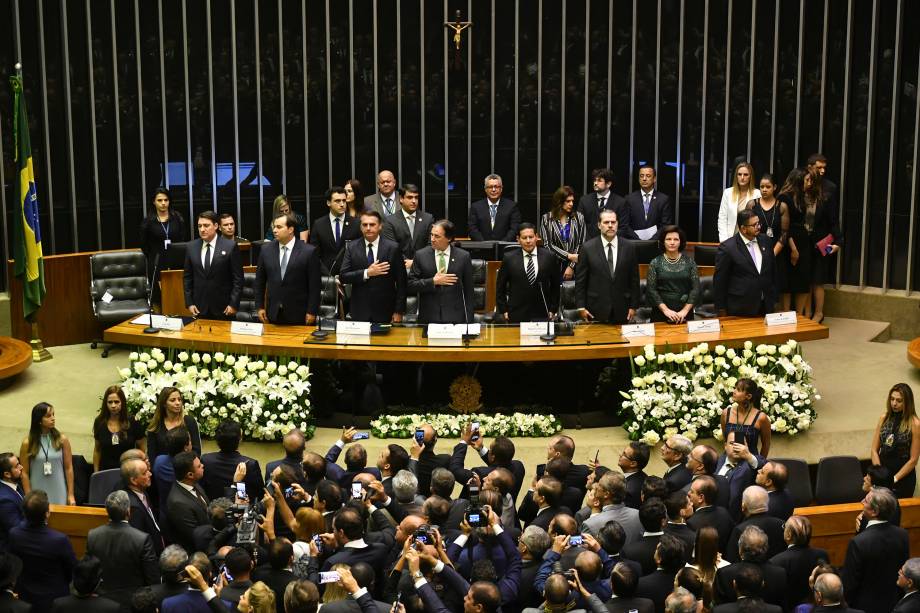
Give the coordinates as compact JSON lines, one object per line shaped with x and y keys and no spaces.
{"x":27,"y":236}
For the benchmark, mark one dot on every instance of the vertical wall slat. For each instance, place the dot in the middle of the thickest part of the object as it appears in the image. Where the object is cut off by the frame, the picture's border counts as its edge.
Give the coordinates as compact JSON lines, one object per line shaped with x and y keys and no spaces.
{"x":892,"y":145}
{"x":212,"y":133}
{"x":699,"y":220}
{"x":915,"y":177}
{"x":679,"y":166}
{"x":258,"y":86}
{"x":843,"y":139}
{"x":69,"y":119}
{"x":728,"y":89}
{"x":798,"y":83}
{"x":92,"y":122}
{"x":870,"y":113}
{"x":118,"y":170}
{"x":189,"y":166}
{"x":49,"y":178}
{"x":163,"y":94}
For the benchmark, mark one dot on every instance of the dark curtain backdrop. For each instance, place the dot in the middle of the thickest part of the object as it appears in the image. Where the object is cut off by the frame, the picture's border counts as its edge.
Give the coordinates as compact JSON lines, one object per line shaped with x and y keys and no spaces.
{"x":232,"y":102}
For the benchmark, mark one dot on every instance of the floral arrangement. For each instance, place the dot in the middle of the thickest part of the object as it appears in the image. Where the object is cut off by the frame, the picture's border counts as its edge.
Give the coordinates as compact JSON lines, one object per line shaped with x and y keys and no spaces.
{"x":266,"y":397}
{"x":686,"y":392}
{"x":449,"y":426}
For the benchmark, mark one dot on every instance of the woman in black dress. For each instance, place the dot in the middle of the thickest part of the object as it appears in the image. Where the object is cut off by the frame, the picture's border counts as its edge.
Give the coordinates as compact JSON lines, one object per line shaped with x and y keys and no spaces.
{"x":169,"y":414}
{"x":774,"y":224}
{"x":114,"y":431}
{"x":896,"y":444}
{"x":162,"y":226}
{"x":354,"y":198}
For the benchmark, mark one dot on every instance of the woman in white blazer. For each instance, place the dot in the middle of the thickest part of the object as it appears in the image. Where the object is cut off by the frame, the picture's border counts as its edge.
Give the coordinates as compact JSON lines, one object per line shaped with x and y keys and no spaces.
{"x":736,"y":198}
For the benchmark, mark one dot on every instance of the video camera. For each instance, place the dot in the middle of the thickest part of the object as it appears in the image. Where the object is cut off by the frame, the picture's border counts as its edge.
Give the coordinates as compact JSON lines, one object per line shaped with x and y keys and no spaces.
{"x":247,"y":526}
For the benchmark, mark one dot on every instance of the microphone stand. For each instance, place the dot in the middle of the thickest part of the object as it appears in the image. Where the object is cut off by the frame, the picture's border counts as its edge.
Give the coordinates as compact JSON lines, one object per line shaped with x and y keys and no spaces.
{"x":549,"y":336}
{"x":319,"y":333}
{"x":150,"y":329}
{"x":467,"y":337}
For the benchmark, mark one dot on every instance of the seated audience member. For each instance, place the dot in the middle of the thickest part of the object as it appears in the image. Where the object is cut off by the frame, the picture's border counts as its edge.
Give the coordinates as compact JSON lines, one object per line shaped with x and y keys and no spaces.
{"x":172,"y":563}
{"x":702,"y":495}
{"x":541,"y":503}
{"x":753,"y":547}
{"x":669,"y":558}
{"x":239,"y":565}
{"x":128,"y":559}
{"x":909,"y":582}
{"x":681,"y":601}
{"x":608,"y":495}
{"x":136,"y":476}
{"x":879,"y":476}
{"x":10,"y":496}
{"x":220,"y":466}
{"x":798,"y":559}
{"x":10,"y":569}
{"x":633,"y":459}
{"x":278,"y":573}
{"x":187,"y":505}
{"x":562,"y":446}
{"x":706,"y":557}
{"x":875,"y":555}
{"x":47,"y":556}
{"x":772,"y":477}
{"x":754,"y":503}
{"x":293,"y":444}
{"x":739,"y":467}
{"x":355,"y":459}
{"x":533,"y":544}
{"x":652,"y":515}
{"x":87,"y":578}
{"x":674,"y":453}
{"x":748,"y":584}
{"x":624,"y":581}
{"x":679,"y":509}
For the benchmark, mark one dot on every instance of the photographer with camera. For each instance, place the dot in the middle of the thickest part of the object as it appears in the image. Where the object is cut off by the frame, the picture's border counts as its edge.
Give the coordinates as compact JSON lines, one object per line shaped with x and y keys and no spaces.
{"x":482,"y":596}
{"x":563,"y":592}
{"x":588,"y":563}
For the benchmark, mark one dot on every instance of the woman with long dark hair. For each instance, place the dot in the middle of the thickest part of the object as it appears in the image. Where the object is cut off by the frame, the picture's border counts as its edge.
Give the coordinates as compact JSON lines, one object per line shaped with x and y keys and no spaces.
{"x":563,"y":230}
{"x":774,"y":224}
{"x":745,"y":419}
{"x":162,"y":226}
{"x":354,"y":198}
{"x":47,"y":460}
{"x":169,"y":414}
{"x":115,"y":430}
{"x":896,"y":443}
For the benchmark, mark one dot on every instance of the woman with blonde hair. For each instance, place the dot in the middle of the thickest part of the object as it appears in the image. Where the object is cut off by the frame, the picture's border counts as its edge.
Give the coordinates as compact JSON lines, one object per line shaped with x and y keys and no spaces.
{"x":259,"y":598}
{"x":169,"y":414}
{"x":335,"y":591}
{"x":735,"y":198}
{"x":896,"y":443}
{"x":46,"y":457}
{"x":282,"y":206}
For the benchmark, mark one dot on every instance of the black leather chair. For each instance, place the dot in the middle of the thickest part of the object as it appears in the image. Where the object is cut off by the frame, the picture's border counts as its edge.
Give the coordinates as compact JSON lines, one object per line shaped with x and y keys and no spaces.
{"x":705,"y":255}
{"x":705,"y":306}
{"x":121,"y":275}
{"x":646,"y":250}
{"x":248,"y":312}
{"x":567,"y":298}
{"x":799,"y":480}
{"x":839,"y":480}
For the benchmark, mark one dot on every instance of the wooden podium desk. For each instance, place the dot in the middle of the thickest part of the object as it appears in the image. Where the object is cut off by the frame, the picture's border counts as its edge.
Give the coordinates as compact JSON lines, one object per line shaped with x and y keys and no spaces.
{"x":495,"y":344}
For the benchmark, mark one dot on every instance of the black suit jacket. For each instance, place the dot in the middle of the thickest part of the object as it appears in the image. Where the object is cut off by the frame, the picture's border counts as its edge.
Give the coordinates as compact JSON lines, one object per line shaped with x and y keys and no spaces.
{"x":588,"y":208}
{"x":128,"y":560}
{"x":322,"y":237}
{"x":576,"y":477}
{"x":774,"y":583}
{"x":773,"y":528}
{"x":716,"y":517}
{"x":643,"y":552}
{"x":442,"y":303}
{"x":738,"y":480}
{"x":684,"y":533}
{"x":507,"y":220}
{"x":375,"y":298}
{"x":781,"y":504}
{"x":185,"y":513}
{"x":677,"y":478}
{"x":738,"y":288}
{"x":10,"y":604}
{"x":656,"y":587}
{"x":798,"y":562}
{"x":77,"y":604}
{"x":626,"y":605}
{"x":516,"y":296}
{"x":47,"y":564}
{"x":221,"y":286}
{"x":277,"y":580}
{"x":141,"y":519}
{"x":289,"y":299}
{"x":870,"y":570}
{"x":11,"y":512}
{"x":732,"y":607}
{"x":219,"y":469}
{"x":462,"y":475}
{"x":634,"y":484}
{"x":607,"y":299}
{"x":908,"y":604}
{"x":396,"y":229}
{"x":660,"y":212}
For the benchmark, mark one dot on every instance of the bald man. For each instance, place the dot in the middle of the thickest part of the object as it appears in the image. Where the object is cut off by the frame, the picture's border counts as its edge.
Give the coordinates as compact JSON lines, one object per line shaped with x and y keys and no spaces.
{"x":385,"y":201}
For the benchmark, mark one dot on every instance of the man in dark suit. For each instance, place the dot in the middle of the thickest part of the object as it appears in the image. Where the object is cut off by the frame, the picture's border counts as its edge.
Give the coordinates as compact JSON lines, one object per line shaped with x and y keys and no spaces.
{"x":739,"y":466}
{"x":909,"y":581}
{"x":829,"y":595}
{"x":10,"y":496}
{"x":633,"y":459}
{"x":172,"y":563}
{"x":331,"y":232}
{"x":364,"y":577}
{"x":653,"y":515}
{"x":424,"y":459}
{"x":196,"y":597}
{"x":347,"y":542}
{"x":674,"y":453}
{"x":679,"y":510}
{"x":494,"y":218}
{"x":772,"y":477}
{"x":541,"y":504}
{"x":602,"y":199}
{"x":289,"y":270}
{"x":754,"y":503}
{"x":88,"y":574}
{"x":607,"y":276}
{"x":47,"y":556}
{"x":798,"y":560}
{"x":748,"y":585}
{"x":355,"y":460}
{"x":562,"y":446}
{"x":374,"y":268}
{"x":753,"y":547}
{"x":500,"y":454}
{"x":522,"y":276}
{"x":624,"y":580}
{"x":669,"y":558}
{"x":213,"y":275}
{"x":10,"y":569}
{"x":294,"y":443}
{"x":649,"y":209}
{"x":743,"y":283}
{"x":439,"y":275}
{"x":187,"y":504}
{"x":384,"y":201}
{"x":875,"y":555}
{"x":136,"y":476}
{"x":703,"y":460}
{"x":278,"y":574}
{"x":220,"y":467}
{"x":128,"y":558}
{"x":702,"y":495}
{"x":408,"y":226}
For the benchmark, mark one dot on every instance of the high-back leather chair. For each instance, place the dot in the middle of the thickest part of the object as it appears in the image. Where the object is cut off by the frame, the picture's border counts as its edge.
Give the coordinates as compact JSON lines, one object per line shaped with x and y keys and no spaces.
{"x":118,"y":288}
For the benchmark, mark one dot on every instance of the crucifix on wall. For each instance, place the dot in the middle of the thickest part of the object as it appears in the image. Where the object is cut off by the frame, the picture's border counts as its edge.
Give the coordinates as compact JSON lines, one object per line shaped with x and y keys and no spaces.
{"x":457,"y":26}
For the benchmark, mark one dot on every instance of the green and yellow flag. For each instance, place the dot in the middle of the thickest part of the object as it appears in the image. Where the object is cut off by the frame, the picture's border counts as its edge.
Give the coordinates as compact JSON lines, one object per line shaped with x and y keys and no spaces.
{"x":27,"y":236}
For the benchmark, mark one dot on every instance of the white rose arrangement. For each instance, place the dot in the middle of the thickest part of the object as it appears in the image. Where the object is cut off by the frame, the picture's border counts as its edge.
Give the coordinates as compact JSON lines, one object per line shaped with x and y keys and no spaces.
{"x":685,"y":392}
{"x":266,"y":396}
{"x":450,"y":426}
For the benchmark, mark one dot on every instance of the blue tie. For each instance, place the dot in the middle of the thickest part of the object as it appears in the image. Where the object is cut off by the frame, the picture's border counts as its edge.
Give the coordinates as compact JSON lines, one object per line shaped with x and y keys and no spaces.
{"x":337,"y":231}
{"x":370,"y":254}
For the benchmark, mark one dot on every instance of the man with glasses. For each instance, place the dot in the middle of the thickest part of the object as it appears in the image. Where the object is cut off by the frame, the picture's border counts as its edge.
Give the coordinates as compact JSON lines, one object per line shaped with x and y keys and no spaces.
{"x":633,"y":460}
{"x":743,"y":283}
{"x":674,"y":453}
{"x":494,"y":218}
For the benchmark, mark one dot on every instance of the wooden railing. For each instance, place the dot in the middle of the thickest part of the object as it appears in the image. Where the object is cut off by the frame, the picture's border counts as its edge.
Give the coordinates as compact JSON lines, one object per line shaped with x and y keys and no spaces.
{"x":76,"y":522}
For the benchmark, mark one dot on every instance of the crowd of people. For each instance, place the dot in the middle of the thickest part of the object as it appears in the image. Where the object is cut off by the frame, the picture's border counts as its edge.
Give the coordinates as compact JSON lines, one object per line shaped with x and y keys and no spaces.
{"x":418,"y":530}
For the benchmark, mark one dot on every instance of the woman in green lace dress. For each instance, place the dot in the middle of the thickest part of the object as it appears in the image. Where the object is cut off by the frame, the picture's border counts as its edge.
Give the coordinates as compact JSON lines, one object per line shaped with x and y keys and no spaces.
{"x":672,"y":284}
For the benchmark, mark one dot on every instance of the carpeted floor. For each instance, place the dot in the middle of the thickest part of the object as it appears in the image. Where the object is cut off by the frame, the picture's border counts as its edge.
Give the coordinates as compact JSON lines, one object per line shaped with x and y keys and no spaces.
{"x":852,"y":373}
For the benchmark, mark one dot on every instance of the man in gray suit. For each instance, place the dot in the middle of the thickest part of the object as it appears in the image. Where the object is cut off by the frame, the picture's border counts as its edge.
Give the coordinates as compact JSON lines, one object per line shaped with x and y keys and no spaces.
{"x":384,"y":201}
{"x":409,"y":227}
{"x":609,"y":493}
{"x":127,"y":554}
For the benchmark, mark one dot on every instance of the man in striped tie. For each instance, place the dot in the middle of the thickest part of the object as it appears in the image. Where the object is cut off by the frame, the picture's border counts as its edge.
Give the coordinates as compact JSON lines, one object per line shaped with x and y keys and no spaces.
{"x":527,"y":276}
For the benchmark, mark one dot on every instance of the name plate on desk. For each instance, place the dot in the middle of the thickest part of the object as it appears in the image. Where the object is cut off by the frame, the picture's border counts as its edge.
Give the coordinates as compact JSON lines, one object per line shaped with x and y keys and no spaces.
{"x":699,"y":326}
{"x":246,"y":327}
{"x":536,"y":328}
{"x":633,"y":330}
{"x":452,"y":330}
{"x":161,"y":322}
{"x":359,"y":328}
{"x":786,"y":318}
